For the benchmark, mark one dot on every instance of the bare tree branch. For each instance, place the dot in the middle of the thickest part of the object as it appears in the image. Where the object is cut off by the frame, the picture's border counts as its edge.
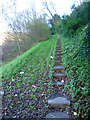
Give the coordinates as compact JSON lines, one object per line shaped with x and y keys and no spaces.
{"x":46,"y":13}
{"x":53,"y":7}
{"x":47,"y":7}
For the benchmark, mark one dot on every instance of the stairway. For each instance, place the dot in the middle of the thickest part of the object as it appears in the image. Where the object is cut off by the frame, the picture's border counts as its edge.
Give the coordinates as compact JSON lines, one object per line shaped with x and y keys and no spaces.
{"x":59,"y":101}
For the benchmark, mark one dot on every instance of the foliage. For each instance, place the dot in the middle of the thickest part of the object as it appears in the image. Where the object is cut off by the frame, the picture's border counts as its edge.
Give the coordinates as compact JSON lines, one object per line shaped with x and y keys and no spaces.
{"x":84,"y":51}
{"x":70,"y":25}
{"x":39,"y":29}
{"x":78,"y":18}
{"x":75,"y":60}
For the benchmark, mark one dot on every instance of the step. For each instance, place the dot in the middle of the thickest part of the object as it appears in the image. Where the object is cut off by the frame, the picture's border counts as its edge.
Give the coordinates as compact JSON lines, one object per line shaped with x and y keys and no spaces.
{"x":60,"y":102}
{"x":59,"y":50}
{"x":58,"y":61}
{"x":58,"y":53}
{"x":57,"y":115}
{"x":58,"y":47}
{"x":58,"y":83}
{"x":58,"y":57}
{"x":58,"y":44}
{"x":56,"y":75}
{"x":58,"y":68}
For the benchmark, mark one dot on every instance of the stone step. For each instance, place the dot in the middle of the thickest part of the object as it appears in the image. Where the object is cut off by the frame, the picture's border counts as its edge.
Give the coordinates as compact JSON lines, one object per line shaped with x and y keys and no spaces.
{"x":58,"y":61}
{"x":59,"y":102}
{"x":56,"y":75}
{"x":59,"y":50}
{"x":58,"y":83}
{"x":58,"y":115}
{"x":58,"y":67}
{"x":58,"y":47}
{"x":59,"y":56}
{"x":58,"y":43}
{"x":58,"y":53}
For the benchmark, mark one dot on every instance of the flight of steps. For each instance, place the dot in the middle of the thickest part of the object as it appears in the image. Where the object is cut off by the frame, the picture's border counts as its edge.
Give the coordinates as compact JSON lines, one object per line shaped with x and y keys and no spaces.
{"x":58,"y":102}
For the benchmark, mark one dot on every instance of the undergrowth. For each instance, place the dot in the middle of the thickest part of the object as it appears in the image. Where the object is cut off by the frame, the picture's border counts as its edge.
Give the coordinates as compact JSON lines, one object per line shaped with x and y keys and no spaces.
{"x":75,"y":60}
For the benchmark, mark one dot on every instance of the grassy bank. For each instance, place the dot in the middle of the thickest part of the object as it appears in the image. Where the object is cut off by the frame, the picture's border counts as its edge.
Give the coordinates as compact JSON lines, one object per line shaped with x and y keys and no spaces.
{"x":27,"y":82}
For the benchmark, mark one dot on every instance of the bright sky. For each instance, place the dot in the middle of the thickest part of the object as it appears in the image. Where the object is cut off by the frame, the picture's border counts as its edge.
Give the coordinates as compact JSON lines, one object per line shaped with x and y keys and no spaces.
{"x":61,"y":6}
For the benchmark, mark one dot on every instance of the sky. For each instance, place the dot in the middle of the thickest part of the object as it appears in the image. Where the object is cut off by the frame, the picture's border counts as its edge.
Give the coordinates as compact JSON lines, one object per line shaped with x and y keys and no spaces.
{"x":61,"y":6}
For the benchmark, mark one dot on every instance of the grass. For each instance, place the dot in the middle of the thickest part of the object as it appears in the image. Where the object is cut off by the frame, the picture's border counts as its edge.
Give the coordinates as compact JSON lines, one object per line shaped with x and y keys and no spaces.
{"x":27,"y":82}
{"x":12,"y":64}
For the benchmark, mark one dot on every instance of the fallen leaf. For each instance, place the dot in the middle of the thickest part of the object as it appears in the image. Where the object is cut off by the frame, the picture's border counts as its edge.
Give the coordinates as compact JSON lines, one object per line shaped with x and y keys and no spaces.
{"x":15,"y":95}
{"x":21,"y":72}
{"x":74,"y":113}
{"x":83,"y":116}
{"x":51,"y":57}
{"x":62,"y":80}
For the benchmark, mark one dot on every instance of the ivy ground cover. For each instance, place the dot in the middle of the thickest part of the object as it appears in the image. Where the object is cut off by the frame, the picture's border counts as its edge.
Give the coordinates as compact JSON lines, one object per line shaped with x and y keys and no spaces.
{"x":26,"y":82}
{"x":77,"y":70}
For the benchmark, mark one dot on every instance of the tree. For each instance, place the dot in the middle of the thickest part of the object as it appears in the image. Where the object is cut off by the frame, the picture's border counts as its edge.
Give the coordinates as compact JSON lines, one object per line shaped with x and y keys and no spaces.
{"x":52,"y":17}
{"x":27,"y":27}
{"x":74,"y":23}
{"x":38,"y":29}
{"x":16,"y":21}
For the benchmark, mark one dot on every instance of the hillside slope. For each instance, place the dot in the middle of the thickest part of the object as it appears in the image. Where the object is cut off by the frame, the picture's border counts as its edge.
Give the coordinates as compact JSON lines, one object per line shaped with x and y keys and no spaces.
{"x":26,"y":79}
